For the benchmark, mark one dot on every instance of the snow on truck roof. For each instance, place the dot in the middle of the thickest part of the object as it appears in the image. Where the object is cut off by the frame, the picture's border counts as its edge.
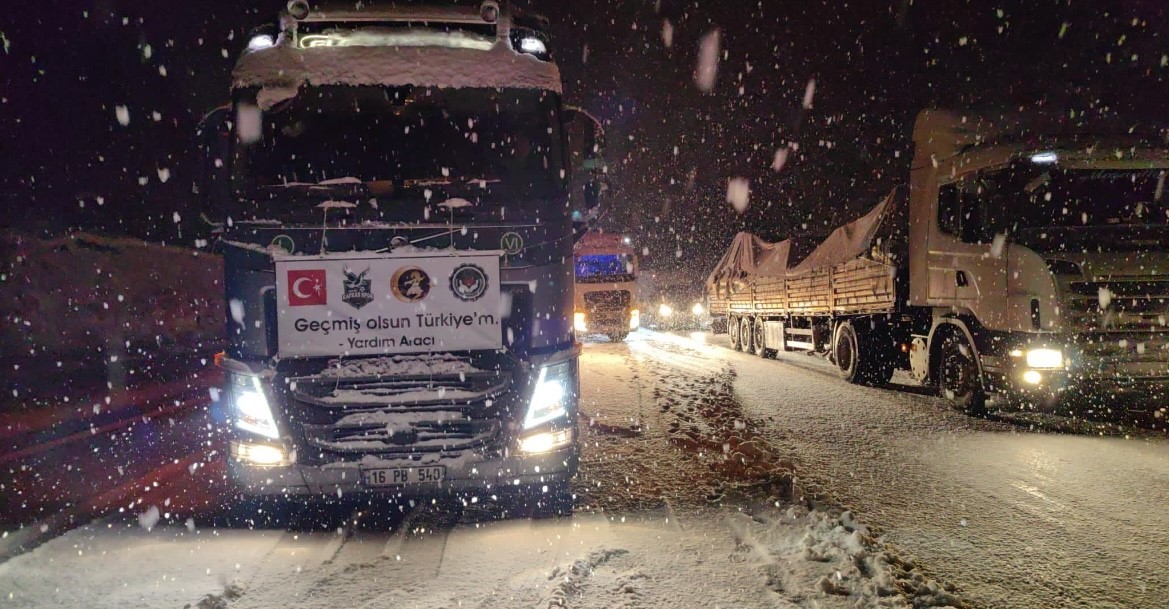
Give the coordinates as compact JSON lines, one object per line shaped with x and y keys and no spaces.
{"x":398,"y":45}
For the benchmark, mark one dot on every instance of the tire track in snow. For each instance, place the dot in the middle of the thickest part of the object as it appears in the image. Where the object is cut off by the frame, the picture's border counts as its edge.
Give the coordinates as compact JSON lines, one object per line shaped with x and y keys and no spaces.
{"x":576,"y":581}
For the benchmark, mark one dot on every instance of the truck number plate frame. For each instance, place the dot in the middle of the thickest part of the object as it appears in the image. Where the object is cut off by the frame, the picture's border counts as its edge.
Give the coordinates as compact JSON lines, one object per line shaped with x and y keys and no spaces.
{"x":402,"y":476}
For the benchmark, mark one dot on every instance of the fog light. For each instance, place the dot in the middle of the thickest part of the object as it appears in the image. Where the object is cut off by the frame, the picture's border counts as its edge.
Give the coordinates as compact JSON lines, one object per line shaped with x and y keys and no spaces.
{"x":634,"y":319}
{"x":259,"y":454}
{"x":1032,"y":377}
{"x":578,"y":322}
{"x":546,"y":441}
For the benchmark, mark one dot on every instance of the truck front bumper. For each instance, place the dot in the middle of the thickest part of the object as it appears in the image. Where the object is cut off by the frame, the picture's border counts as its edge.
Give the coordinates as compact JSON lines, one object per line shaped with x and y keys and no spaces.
{"x":464,"y":474}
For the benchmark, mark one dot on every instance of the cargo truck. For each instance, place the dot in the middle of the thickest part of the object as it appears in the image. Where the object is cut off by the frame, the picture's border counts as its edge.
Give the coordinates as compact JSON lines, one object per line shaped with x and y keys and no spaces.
{"x":1027,"y":259}
{"x":394,"y":181}
{"x":605,"y":300}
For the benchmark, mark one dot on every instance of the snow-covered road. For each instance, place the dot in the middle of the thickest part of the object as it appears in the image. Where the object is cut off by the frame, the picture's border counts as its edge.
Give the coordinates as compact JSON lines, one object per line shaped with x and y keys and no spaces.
{"x":694,"y":462}
{"x":1014,"y":517}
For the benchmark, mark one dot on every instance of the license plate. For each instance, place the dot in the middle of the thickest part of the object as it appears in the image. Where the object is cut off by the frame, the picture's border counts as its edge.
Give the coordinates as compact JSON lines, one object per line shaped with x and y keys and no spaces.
{"x":397,"y":476}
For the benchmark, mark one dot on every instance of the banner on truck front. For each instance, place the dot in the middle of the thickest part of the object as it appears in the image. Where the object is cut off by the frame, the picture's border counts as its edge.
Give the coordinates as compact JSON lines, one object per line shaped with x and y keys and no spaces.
{"x":365,"y":304}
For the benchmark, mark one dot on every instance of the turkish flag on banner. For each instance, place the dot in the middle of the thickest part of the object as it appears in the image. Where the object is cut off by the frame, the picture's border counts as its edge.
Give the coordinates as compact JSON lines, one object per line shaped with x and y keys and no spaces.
{"x":307,"y":287}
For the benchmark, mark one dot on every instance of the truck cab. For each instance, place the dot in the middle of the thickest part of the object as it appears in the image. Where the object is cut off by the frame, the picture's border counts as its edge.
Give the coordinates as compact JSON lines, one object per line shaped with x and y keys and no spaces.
{"x":605,"y":295}
{"x":393,"y":184}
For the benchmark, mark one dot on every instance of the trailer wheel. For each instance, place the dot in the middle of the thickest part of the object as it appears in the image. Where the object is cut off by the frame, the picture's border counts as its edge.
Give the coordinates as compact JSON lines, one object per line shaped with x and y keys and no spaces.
{"x":759,"y":339}
{"x":746,"y":335}
{"x":846,"y":353}
{"x":617,"y":337}
{"x":733,"y":330}
{"x":959,"y":379}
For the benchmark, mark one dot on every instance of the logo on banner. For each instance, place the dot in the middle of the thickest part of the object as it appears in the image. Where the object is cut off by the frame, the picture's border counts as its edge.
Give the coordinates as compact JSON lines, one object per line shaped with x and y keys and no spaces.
{"x":307,"y":288}
{"x":410,"y":284}
{"x":468,"y":282}
{"x":357,"y":288}
{"x":511,"y":243}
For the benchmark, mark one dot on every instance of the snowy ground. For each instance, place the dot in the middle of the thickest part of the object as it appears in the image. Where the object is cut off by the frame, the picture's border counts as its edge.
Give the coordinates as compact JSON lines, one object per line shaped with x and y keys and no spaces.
{"x":680,"y":503}
{"x":1014,"y":513}
{"x":699,"y":467}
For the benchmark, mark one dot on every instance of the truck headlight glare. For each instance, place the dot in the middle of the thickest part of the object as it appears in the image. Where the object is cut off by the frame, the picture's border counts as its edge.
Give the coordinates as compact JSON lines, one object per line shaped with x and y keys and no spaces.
{"x":546,"y":441}
{"x":550,"y":397}
{"x":665,"y":310}
{"x":1044,"y":358}
{"x":634,"y":319}
{"x":251,"y":408}
{"x":579,"y":323}
{"x":697,"y":309}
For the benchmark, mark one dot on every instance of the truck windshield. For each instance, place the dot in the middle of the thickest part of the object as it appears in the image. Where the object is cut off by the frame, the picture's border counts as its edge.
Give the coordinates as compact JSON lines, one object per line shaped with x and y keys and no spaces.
{"x":597,"y":268}
{"x":408,"y":137}
{"x":1050,"y":207}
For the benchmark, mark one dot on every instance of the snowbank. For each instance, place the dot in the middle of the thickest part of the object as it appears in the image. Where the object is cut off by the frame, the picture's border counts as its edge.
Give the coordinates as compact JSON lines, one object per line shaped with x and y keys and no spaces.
{"x":83,"y":294}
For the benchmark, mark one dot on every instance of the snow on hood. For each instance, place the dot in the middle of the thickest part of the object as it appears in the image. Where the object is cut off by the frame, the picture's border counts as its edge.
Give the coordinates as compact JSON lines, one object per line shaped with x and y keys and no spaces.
{"x":500,"y":67}
{"x":439,"y":363}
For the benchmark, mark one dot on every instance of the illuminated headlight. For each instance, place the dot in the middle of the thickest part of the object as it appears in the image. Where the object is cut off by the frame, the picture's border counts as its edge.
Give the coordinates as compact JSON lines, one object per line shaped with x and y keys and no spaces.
{"x":698,"y":309}
{"x":1044,"y":358}
{"x":578,"y":322}
{"x":665,"y":310}
{"x":634,"y":319}
{"x":546,"y":441}
{"x":1032,"y":377}
{"x":259,"y":454}
{"x":250,"y":406}
{"x":551,"y":396}
{"x":261,"y":42}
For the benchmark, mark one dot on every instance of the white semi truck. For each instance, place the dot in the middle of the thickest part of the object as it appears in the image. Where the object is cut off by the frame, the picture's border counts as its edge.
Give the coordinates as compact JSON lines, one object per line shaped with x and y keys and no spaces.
{"x":394,"y":183}
{"x":1027,"y":259}
{"x":605,"y":297}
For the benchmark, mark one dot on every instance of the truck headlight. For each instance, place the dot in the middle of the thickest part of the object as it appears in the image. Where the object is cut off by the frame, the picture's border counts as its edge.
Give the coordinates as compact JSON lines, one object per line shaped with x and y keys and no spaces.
{"x":1044,"y":358}
{"x":250,"y":406}
{"x":578,"y":322}
{"x":698,"y":309}
{"x":634,"y":319}
{"x":665,"y":310}
{"x":551,"y":396}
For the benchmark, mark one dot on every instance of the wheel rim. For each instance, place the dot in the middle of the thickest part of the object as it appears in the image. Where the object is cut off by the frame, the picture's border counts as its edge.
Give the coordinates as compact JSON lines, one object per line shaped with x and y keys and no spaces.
{"x":733,"y":329}
{"x":759,"y":336}
{"x":745,"y":333}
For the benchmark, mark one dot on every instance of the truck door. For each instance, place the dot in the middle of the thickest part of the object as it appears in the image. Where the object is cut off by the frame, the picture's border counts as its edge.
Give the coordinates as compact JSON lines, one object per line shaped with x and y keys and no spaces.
{"x":967,"y":267}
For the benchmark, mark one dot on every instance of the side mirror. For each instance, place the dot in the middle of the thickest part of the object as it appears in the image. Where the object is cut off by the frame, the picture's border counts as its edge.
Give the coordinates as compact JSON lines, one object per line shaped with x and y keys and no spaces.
{"x":214,"y":183}
{"x":586,"y":149}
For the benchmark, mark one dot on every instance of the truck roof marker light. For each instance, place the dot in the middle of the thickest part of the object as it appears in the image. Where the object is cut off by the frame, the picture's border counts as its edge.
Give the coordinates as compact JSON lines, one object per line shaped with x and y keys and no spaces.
{"x":261,"y":42}
{"x":1045,"y":158}
{"x":299,"y":9}
{"x":489,"y":11}
{"x":533,"y":46}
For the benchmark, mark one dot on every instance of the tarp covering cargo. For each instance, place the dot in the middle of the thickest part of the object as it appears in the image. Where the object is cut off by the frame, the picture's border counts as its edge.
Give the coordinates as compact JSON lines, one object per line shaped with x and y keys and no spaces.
{"x":750,"y":257}
{"x":847,"y":242}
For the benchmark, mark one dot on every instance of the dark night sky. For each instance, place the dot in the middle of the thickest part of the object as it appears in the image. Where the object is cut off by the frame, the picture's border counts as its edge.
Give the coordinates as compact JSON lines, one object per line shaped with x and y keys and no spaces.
{"x":66,"y":65}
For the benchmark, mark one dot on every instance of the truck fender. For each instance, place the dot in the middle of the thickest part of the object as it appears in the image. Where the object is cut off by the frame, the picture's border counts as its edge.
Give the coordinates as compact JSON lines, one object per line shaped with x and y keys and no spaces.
{"x":949,"y":324}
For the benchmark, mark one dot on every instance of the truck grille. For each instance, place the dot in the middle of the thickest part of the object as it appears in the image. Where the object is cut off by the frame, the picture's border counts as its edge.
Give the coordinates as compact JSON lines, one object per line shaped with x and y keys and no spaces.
{"x":347,"y":417}
{"x":607,"y":300}
{"x":1120,"y":304}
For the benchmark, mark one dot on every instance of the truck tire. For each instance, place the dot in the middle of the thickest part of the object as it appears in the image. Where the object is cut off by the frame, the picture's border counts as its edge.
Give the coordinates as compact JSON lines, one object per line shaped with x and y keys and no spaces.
{"x":733,"y":331}
{"x":846,"y":354}
{"x":858,"y":356}
{"x":959,"y":379}
{"x":617,"y":337}
{"x":759,"y":340}
{"x":746,"y":336}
